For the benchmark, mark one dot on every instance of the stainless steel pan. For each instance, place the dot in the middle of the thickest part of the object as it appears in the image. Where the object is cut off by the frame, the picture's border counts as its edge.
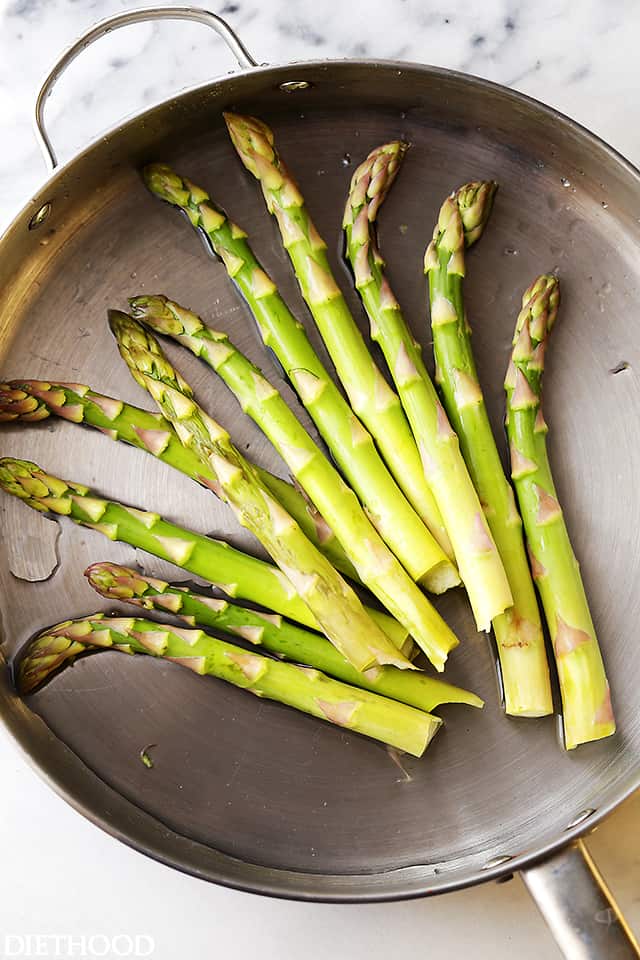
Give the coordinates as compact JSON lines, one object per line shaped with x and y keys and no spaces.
{"x":247,"y":793}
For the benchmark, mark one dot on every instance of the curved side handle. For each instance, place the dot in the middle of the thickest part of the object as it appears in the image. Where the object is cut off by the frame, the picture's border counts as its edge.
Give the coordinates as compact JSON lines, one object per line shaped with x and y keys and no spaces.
{"x":143,"y":15}
{"x":579,"y":909}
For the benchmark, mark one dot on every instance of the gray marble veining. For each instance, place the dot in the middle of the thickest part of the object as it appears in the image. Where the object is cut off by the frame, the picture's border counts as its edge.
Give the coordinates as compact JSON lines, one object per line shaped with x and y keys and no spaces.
{"x":580,"y":57}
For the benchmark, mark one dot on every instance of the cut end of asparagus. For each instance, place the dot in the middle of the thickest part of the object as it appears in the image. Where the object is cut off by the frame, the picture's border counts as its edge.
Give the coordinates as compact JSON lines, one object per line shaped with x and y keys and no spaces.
{"x":525,"y":674}
{"x":581,"y":727}
{"x":475,"y":200}
{"x":435,"y":725}
{"x":441,"y":578}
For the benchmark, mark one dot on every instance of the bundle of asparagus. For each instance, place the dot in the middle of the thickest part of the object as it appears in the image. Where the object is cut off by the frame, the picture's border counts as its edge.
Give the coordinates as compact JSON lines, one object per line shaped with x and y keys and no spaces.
{"x":334,"y":604}
{"x":376,"y":565}
{"x":425,"y":489}
{"x":426,"y":559}
{"x":370,"y":396}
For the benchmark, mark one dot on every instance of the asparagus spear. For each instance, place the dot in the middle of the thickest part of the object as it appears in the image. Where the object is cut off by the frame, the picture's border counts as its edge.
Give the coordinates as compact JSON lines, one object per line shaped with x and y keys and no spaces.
{"x":518,"y":631}
{"x":351,"y":444}
{"x":332,"y":601}
{"x":586,"y":700}
{"x":478,"y":561}
{"x":376,"y":565}
{"x":304,"y":688}
{"x":32,"y":400}
{"x":238,"y":574}
{"x":275,"y":634}
{"x":373,"y":401}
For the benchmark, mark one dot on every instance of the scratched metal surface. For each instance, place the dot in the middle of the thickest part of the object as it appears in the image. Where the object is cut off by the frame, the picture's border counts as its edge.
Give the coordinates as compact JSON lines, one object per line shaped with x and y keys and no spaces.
{"x":248,"y":792}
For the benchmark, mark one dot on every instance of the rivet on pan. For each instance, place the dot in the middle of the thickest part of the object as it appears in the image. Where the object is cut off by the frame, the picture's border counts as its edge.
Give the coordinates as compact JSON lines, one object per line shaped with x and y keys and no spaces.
{"x":580,"y":817}
{"x":496,"y":861}
{"x":291,"y":86}
{"x":40,"y":216}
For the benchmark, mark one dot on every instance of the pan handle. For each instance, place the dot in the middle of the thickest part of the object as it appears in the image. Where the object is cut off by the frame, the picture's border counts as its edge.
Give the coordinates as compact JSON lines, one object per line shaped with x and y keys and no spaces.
{"x":205,"y":17}
{"x":579,"y":909}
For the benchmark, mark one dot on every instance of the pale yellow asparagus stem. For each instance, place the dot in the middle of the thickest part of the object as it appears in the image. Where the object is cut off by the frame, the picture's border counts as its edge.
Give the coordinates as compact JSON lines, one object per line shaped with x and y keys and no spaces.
{"x":586,"y":700}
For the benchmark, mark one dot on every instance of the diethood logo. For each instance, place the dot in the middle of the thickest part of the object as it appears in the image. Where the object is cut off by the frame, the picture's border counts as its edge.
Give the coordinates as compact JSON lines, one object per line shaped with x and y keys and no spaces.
{"x":30,"y":945}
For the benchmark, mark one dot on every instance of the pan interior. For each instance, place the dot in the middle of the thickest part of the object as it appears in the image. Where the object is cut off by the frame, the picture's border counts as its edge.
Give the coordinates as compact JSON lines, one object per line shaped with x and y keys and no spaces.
{"x":248,"y":778}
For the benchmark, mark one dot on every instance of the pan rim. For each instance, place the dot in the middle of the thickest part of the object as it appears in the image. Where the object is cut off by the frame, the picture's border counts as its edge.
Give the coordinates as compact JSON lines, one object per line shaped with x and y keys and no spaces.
{"x":286,"y":884}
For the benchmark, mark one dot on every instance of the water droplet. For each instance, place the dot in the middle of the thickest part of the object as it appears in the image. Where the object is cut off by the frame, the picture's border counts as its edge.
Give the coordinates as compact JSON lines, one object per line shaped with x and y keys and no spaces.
{"x":403,"y":115}
{"x":565,"y":182}
{"x":346,"y":160}
{"x":511,"y":252}
{"x":540,"y":164}
{"x":604,"y":204}
{"x":133,"y":275}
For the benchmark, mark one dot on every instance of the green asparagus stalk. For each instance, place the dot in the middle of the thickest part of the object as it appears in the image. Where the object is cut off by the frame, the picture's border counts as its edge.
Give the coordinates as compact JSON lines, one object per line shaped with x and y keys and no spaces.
{"x":518,"y":631}
{"x":586,"y":700}
{"x":352,"y":446}
{"x":273,"y":633}
{"x":238,"y":574}
{"x":304,"y":688}
{"x":373,"y":401}
{"x":376,"y":565}
{"x":33,"y":400}
{"x":478,"y":560}
{"x":335,"y":605}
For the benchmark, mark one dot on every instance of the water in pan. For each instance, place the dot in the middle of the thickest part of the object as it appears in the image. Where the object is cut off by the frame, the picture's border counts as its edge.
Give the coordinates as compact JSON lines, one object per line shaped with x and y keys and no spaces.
{"x":252,"y":778}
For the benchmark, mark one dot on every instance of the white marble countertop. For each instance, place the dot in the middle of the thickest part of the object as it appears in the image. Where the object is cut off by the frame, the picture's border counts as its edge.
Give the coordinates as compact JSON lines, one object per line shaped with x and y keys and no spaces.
{"x":62,"y":875}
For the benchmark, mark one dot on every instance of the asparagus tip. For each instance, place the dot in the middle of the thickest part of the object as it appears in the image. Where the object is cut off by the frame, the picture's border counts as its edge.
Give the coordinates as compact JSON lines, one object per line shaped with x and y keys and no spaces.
{"x":165,"y":183}
{"x":46,"y":653}
{"x":153,"y":309}
{"x":18,"y":476}
{"x":475,"y":201}
{"x":113,"y":581}
{"x":370,"y":185}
